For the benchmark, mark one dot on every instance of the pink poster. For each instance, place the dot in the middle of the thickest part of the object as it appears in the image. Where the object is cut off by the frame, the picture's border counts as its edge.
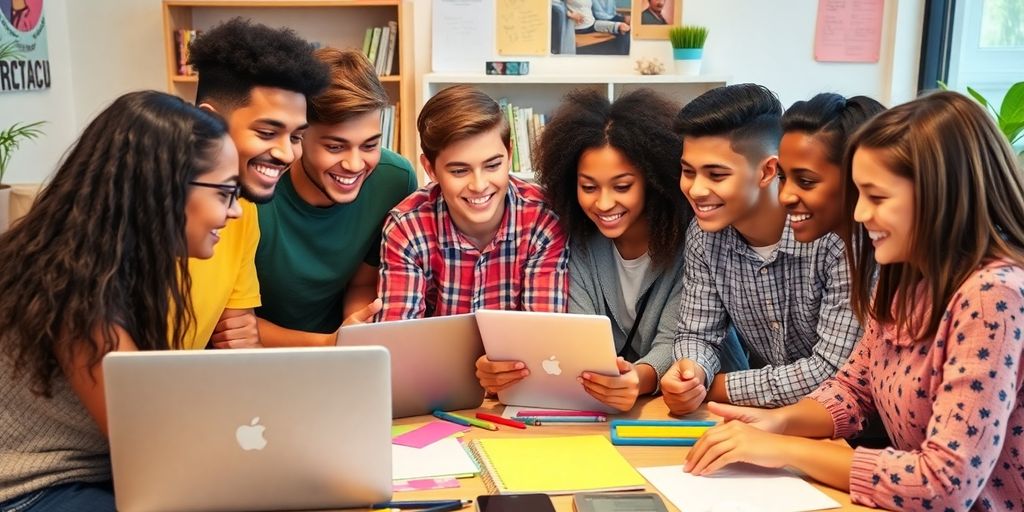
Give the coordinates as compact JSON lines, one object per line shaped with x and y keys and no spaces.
{"x":848,"y":30}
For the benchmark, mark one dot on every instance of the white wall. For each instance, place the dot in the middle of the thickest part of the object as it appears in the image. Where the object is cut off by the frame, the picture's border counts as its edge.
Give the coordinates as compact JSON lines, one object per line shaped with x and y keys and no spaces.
{"x":37,"y":159}
{"x":767,"y":42}
{"x":115,"y":46}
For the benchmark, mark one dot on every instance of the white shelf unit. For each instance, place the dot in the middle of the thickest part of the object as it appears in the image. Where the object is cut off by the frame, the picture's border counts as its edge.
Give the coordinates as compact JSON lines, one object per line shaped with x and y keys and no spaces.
{"x":545,"y":92}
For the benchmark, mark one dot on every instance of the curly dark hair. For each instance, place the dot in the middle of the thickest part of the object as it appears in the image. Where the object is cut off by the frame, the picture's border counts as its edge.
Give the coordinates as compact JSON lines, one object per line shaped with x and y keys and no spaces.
{"x":237,"y":55}
{"x":639,"y":124}
{"x":104,"y":243}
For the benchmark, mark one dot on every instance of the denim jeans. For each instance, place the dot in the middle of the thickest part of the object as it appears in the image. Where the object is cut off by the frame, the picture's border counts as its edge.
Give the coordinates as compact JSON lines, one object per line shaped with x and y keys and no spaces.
{"x":72,"y":497}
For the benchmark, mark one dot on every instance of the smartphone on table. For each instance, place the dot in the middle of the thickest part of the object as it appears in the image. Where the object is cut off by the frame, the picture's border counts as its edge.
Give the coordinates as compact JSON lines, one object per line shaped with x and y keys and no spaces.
{"x":515,"y":503}
{"x":622,"y":502}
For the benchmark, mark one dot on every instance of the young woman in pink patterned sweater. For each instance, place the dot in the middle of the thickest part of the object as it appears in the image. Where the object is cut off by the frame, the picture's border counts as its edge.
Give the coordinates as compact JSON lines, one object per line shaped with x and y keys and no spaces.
{"x":942,"y":199}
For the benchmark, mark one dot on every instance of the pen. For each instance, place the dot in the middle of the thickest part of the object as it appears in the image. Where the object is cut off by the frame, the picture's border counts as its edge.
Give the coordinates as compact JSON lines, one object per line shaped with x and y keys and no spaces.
{"x":499,"y":420}
{"x":452,"y":418}
{"x":540,"y":412}
{"x":423,"y":504}
{"x":475,"y":422}
{"x":563,"y":419}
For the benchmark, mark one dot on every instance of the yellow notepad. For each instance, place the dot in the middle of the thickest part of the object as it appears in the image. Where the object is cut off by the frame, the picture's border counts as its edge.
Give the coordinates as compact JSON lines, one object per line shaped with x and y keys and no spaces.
{"x":554,"y":465}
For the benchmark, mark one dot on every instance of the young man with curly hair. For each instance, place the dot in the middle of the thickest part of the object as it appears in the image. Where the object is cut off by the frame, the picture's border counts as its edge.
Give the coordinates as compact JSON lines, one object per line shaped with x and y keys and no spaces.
{"x":611,"y":173}
{"x":320,"y":237}
{"x":259,"y":79}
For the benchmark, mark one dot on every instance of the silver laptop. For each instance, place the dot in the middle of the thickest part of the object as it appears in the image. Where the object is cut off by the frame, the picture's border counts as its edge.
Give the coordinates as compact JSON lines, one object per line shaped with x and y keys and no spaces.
{"x":433,"y":361}
{"x":557,"y":348}
{"x":256,"y":429}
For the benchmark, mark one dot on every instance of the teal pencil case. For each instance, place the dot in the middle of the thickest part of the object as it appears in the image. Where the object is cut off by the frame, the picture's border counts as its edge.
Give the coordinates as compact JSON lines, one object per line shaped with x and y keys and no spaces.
{"x":658,"y":432}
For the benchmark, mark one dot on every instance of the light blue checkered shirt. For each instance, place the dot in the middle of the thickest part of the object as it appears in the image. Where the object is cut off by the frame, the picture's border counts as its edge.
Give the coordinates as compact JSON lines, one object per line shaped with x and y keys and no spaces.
{"x":791,"y":310}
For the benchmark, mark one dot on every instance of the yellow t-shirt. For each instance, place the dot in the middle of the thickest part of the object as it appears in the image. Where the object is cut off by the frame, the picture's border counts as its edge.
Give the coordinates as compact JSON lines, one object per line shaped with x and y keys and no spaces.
{"x":228,"y":279}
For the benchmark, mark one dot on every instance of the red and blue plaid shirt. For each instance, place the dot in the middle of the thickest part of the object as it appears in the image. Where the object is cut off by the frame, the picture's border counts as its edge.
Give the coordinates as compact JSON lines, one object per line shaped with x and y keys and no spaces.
{"x":428,"y":268}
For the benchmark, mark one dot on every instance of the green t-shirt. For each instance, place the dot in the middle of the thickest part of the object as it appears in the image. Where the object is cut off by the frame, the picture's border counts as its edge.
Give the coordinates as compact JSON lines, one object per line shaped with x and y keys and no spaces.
{"x":307,"y":255}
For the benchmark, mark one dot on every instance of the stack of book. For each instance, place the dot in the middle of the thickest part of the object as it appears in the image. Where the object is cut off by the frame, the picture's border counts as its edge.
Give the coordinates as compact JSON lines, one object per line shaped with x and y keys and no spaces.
{"x":182,"y":40}
{"x":379,"y":46}
{"x":389,"y":128}
{"x":526,"y":127}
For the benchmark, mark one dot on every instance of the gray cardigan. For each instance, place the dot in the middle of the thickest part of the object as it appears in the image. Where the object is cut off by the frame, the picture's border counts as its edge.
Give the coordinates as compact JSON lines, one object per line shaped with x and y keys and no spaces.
{"x":594,"y":289}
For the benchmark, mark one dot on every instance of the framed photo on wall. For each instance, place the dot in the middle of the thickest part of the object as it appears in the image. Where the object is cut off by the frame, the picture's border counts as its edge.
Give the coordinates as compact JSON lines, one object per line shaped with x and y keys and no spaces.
{"x":652,"y":18}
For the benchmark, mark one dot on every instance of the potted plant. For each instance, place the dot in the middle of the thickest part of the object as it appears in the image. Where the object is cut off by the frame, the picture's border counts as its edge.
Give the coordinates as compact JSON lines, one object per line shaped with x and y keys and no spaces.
{"x":688,"y":47}
{"x":10,"y":138}
{"x":1009,"y":116}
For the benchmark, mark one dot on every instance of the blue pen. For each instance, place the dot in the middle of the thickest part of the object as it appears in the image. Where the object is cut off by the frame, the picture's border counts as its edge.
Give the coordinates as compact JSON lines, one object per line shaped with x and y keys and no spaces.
{"x":448,"y":417}
{"x":423,"y":505}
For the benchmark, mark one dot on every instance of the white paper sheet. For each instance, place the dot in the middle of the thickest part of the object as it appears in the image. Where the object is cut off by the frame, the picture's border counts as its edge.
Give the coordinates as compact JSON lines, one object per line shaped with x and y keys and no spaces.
{"x":737,"y":488}
{"x":446,"y":457}
{"x":463,"y":35}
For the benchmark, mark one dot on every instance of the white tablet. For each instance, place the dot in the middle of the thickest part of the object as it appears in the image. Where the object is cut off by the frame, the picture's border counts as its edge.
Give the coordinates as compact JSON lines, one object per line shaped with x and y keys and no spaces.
{"x":557,"y":348}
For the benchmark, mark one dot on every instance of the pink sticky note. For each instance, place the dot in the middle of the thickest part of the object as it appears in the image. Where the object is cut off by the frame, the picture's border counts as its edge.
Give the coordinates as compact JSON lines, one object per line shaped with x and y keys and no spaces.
{"x":426,"y":484}
{"x":428,"y":434}
{"x":848,"y":30}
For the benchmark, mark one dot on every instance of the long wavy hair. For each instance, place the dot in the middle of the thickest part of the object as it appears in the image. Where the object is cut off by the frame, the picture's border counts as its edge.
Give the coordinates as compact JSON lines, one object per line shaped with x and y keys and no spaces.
{"x":968,"y":205}
{"x":104,"y":244}
{"x":638,"y":124}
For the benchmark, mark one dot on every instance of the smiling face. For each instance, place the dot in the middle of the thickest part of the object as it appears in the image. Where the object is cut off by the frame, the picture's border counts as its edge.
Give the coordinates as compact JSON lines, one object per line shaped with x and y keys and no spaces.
{"x":473,"y":176}
{"x":723,"y":187}
{"x":610,"y":190}
{"x":811,"y":187}
{"x":885,"y":206}
{"x":338,"y":158}
{"x":268,"y":132}
{"x":207,"y":209}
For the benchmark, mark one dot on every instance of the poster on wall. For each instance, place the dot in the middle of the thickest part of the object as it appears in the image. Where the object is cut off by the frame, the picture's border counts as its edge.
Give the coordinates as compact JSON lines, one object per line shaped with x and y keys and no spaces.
{"x":24,"y":25}
{"x":591,"y":27}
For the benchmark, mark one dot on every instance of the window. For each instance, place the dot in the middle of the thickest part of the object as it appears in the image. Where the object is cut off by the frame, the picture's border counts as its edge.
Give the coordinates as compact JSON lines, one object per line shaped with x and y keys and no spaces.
{"x":987,"y":47}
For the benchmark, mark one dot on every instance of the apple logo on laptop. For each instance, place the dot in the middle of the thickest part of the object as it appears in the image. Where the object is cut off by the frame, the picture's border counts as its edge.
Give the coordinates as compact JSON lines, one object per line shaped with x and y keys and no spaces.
{"x":250,"y":437}
{"x":551,"y":366}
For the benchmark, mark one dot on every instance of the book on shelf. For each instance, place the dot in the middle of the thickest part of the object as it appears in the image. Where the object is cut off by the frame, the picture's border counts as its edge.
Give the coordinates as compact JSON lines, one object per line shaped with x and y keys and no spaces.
{"x":389,"y":127}
{"x":525,"y":128}
{"x":392,"y":41}
{"x":379,"y":46}
{"x":382,"y":50}
{"x":182,"y":42}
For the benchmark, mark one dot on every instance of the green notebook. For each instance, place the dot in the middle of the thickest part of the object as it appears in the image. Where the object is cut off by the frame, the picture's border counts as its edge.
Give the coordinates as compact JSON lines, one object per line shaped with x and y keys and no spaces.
{"x":554,"y":465}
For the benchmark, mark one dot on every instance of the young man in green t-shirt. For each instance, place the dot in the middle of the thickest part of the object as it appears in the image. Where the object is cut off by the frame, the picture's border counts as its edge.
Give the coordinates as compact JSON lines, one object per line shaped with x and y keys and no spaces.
{"x":320,"y":236}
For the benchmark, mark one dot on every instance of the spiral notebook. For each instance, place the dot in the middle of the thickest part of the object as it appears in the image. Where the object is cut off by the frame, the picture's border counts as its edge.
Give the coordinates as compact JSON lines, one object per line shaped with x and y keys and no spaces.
{"x":554,"y":465}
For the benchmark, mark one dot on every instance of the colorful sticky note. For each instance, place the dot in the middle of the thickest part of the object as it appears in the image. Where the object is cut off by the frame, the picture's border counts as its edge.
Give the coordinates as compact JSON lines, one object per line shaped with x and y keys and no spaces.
{"x":429,"y":434}
{"x":425,"y":484}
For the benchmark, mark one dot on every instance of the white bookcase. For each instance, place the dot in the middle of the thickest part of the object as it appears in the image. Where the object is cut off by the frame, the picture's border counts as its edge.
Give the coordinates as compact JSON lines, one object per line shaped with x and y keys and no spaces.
{"x":545,"y":92}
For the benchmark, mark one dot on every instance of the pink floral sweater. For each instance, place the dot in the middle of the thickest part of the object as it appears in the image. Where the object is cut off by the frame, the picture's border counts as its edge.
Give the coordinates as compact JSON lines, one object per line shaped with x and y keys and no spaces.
{"x":953,"y":405}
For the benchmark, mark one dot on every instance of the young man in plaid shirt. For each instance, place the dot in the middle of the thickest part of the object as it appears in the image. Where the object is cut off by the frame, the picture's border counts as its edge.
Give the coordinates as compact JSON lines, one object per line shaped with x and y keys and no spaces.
{"x":789,"y":301}
{"x":475,"y":238}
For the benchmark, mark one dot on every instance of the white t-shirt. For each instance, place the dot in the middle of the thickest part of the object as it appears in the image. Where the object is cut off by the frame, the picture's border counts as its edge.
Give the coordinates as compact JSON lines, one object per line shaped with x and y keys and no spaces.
{"x":766,"y":251}
{"x":631,"y":278}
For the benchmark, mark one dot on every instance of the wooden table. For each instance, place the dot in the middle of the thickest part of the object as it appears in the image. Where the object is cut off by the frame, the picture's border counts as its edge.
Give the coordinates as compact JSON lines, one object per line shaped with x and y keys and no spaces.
{"x":638,"y":456}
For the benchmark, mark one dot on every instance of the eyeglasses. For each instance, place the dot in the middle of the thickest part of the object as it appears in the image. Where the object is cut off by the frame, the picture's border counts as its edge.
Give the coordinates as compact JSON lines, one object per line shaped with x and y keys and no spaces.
{"x":232,"y":191}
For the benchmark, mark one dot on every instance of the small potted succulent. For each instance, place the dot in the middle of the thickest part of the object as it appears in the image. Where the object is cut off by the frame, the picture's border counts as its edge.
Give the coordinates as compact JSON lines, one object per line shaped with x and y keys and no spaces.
{"x":688,"y":47}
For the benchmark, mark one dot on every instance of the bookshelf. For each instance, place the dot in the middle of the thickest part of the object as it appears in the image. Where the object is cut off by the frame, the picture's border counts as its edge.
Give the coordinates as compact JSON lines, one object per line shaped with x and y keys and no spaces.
{"x":543,"y":93}
{"x":334,"y":23}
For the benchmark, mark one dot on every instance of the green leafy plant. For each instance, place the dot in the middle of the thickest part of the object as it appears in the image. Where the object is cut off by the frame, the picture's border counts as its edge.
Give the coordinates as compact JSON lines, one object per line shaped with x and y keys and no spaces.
{"x":1009,"y":115}
{"x":12,"y":137}
{"x":687,"y":36}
